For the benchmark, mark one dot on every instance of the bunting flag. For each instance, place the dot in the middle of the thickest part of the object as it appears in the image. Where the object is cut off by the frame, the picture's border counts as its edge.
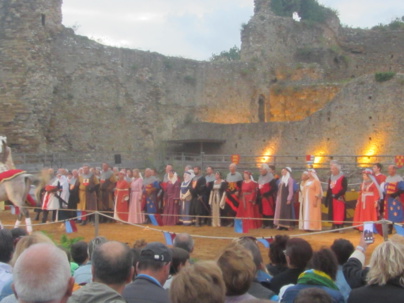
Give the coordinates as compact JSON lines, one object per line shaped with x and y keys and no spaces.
{"x":378,"y":229}
{"x":266,"y":241}
{"x":169,"y":237}
{"x":238,"y":226}
{"x":399,"y":160}
{"x":399,"y":229}
{"x":79,"y":214}
{"x":70,"y":226}
{"x":156,"y":219}
{"x":15,"y":210}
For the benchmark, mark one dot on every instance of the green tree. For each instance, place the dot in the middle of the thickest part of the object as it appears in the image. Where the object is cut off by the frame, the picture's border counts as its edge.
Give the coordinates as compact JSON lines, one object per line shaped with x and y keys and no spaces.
{"x":233,"y":54}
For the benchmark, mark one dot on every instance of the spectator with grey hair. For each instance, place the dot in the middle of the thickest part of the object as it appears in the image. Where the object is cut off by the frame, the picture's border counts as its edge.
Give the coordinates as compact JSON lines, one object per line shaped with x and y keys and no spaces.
{"x":153,"y":269}
{"x":42,"y":274}
{"x":83,"y":275}
{"x":184,"y":241}
{"x":112,"y":270}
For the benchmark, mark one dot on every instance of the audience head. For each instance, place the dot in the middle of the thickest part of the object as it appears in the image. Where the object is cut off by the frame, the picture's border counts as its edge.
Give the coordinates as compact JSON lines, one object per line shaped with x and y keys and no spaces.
{"x":325,"y":260}
{"x":276,"y":250}
{"x":342,"y":248}
{"x":387,"y":263}
{"x":139,"y":244}
{"x":42,"y":274}
{"x":313,"y":295}
{"x":298,"y":253}
{"x":155,"y":259}
{"x":112,"y":263}
{"x":136,"y":258}
{"x":27,"y":241}
{"x":92,"y":245}
{"x":180,"y":259}
{"x":238,"y":269}
{"x":201,"y":282}
{"x":79,"y":252}
{"x":17,"y":234}
{"x":6,"y":245}
{"x":184,"y":241}
{"x":251,"y":245}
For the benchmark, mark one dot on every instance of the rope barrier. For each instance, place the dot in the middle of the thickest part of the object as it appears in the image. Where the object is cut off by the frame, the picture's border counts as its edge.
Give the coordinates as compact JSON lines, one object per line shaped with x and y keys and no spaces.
{"x":191,"y":216}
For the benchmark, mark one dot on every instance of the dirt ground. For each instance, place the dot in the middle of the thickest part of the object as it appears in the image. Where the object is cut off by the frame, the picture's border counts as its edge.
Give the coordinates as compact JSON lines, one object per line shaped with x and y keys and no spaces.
{"x":205,"y":249}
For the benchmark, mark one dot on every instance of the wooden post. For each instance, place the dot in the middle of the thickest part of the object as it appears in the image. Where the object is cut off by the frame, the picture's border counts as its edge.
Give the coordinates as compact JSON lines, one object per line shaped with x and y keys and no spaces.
{"x":96,"y":224}
{"x":385,"y":229}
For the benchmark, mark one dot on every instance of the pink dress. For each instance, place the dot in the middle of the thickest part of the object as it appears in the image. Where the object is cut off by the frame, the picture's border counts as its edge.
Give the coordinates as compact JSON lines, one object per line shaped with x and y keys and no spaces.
{"x":135,"y":206}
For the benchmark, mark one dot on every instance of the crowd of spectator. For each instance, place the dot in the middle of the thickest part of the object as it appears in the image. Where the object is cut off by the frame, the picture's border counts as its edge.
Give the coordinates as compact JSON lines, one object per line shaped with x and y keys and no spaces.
{"x":34,"y":269}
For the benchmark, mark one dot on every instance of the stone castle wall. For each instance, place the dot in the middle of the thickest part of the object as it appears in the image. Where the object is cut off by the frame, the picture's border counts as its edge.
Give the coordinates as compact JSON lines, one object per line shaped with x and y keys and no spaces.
{"x":63,"y":92}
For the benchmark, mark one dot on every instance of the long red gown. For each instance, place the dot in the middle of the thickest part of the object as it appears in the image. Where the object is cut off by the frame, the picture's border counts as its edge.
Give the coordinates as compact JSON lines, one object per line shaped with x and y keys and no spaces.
{"x":366,"y":207}
{"x":248,"y":207}
{"x":121,"y":200}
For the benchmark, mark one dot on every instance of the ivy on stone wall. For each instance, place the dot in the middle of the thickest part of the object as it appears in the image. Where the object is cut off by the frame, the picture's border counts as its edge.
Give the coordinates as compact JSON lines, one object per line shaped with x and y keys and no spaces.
{"x":309,"y":10}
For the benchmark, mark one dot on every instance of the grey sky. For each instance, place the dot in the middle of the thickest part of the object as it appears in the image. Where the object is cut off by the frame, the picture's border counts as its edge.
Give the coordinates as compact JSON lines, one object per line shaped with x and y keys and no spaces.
{"x":197,"y":28}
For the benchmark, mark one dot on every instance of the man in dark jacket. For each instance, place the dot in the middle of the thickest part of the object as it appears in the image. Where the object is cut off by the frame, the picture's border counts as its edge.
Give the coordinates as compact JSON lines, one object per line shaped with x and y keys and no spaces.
{"x":153,"y":269}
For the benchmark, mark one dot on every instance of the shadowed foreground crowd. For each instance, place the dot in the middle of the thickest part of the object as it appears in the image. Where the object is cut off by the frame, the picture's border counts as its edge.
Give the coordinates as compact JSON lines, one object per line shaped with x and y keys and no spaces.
{"x":34,"y":269}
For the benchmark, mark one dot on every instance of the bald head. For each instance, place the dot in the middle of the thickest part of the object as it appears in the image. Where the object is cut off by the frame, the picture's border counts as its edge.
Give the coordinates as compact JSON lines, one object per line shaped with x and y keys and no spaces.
{"x":112,"y":263}
{"x":232,"y":167}
{"x":42,"y":274}
{"x":184,"y":241}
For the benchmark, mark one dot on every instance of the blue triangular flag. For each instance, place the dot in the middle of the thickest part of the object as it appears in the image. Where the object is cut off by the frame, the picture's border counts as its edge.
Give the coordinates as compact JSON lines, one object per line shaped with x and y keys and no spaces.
{"x":68,"y":227}
{"x":153,"y":220}
{"x":264,"y":242}
{"x":79,"y":214}
{"x":238,"y":226}
{"x":168,"y":237}
{"x":12,"y":208}
{"x":399,"y":229}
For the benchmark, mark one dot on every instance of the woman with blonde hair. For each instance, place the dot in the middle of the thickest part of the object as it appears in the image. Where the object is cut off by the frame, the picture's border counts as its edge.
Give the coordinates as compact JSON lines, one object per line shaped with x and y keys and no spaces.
{"x":201,"y":282}
{"x":385,"y":279}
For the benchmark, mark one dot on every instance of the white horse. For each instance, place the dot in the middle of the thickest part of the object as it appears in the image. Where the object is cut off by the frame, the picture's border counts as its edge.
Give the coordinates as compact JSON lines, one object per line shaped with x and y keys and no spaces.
{"x":15,"y":189}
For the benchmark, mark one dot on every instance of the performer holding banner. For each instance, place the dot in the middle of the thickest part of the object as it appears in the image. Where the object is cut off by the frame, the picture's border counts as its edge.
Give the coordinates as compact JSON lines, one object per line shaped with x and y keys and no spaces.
{"x":234,"y":181}
{"x":366,"y":207}
{"x":393,"y":189}
{"x":335,"y":199}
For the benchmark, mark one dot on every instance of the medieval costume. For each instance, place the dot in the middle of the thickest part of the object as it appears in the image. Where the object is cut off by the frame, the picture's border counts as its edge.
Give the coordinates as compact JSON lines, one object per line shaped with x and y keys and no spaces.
{"x":266,"y":189}
{"x":248,"y":207}
{"x":199,"y":205}
{"x":234,"y":181}
{"x":121,"y":209}
{"x":87,"y":194}
{"x":49,"y":201}
{"x":369,"y":195}
{"x":135,"y":205}
{"x":106,"y":195}
{"x":381,"y":179}
{"x":171,"y":198}
{"x":185,"y":198}
{"x":284,"y":201}
{"x":217,"y":201}
{"x":61,"y":198}
{"x":393,"y":190}
{"x":335,"y":199}
{"x":151,"y":186}
{"x":74,"y":196}
{"x":310,"y":205}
